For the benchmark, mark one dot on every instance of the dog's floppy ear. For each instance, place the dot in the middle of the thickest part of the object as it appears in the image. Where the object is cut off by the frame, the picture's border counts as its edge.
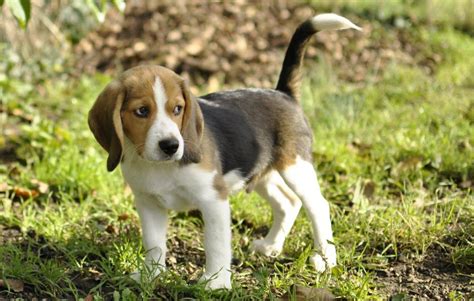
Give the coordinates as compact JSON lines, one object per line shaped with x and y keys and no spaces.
{"x":192,"y":126}
{"x":106,"y":124}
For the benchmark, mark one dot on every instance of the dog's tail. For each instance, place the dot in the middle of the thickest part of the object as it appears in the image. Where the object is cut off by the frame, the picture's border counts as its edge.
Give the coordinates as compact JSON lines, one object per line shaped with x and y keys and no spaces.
{"x":290,"y":76}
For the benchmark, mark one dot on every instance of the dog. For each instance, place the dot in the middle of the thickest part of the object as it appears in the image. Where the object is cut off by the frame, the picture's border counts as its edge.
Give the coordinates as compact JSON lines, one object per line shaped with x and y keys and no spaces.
{"x":181,"y":152}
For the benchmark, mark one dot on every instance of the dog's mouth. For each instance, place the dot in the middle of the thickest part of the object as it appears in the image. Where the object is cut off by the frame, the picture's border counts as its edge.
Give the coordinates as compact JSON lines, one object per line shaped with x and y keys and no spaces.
{"x":160,"y":157}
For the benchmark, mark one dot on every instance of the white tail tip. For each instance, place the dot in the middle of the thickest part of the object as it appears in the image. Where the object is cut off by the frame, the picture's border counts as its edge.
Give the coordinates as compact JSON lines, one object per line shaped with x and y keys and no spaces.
{"x":332,"y":22}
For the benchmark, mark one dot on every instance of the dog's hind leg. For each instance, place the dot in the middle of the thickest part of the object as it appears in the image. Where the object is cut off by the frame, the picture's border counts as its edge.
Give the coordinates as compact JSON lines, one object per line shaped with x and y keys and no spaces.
{"x":301,"y":178}
{"x":285,"y":206}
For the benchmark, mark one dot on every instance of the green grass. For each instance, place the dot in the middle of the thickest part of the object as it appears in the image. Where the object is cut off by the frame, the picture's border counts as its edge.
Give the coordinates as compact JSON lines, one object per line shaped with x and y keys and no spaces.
{"x":394,"y":158}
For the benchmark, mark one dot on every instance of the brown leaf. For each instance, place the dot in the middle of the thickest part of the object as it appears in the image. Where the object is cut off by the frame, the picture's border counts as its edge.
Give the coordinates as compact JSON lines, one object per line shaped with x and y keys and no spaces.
{"x":174,"y":35}
{"x":369,"y":189}
{"x":172,"y":260}
{"x":123,"y":217}
{"x":4,"y":187}
{"x":464,"y":145}
{"x":95,"y":274}
{"x":42,"y":186}
{"x":89,"y":297}
{"x":112,"y":229}
{"x":21,"y":114}
{"x":139,"y":47}
{"x":25,"y":193}
{"x":360,"y":147}
{"x":13,"y":284}
{"x":213,"y":84}
{"x":195,"y":46}
{"x":466,"y":184}
{"x":410,"y":163}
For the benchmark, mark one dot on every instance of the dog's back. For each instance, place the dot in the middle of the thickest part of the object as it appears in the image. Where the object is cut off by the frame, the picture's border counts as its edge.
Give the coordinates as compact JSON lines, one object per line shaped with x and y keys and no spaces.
{"x":257,"y":130}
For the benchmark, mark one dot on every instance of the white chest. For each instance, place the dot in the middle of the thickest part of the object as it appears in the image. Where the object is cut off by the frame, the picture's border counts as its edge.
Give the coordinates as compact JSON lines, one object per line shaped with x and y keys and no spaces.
{"x":170,"y":185}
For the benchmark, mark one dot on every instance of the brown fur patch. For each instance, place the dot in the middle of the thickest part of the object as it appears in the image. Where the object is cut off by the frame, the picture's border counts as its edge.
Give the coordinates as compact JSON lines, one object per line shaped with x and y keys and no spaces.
{"x":286,"y":148}
{"x":136,"y":128}
{"x":210,"y":162}
{"x":105,"y":122}
{"x":221,"y":187}
{"x":285,"y":159}
{"x":192,"y":128}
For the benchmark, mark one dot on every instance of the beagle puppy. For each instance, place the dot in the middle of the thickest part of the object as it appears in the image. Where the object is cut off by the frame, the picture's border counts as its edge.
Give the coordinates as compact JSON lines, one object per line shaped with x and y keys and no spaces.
{"x":181,"y":152}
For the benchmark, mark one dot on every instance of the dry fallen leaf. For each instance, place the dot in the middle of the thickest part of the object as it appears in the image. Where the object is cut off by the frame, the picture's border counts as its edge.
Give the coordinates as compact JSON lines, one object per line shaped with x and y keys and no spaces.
{"x":112,"y":229}
{"x":410,"y":163}
{"x":42,"y":186}
{"x":13,"y":284}
{"x":25,"y":193}
{"x":21,"y":114}
{"x":139,"y":47}
{"x":195,"y":46}
{"x":369,"y":189}
{"x":123,"y":217}
{"x":360,"y":147}
{"x":466,"y":184}
{"x":4,"y":187}
{"x":89,"y":298}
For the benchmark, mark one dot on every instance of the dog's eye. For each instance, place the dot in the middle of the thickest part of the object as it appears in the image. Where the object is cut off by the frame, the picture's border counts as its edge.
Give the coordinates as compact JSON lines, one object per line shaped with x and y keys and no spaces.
{"x":142,"y":112}
{"x":177,"y":110}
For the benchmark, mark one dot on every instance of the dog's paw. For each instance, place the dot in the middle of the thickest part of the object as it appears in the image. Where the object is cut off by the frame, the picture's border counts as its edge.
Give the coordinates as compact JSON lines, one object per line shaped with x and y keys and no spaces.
{"x":217,"y":281}
{"x":268,"y":249}
{"x":327,"y":262}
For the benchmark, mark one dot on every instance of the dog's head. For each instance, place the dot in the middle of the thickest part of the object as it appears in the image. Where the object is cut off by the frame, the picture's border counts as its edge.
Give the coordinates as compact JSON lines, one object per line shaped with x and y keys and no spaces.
{"x":150,"y":110}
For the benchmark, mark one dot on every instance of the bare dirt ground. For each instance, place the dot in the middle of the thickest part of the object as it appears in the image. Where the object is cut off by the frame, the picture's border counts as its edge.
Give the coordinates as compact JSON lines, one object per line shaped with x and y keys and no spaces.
{"x":240,"y":42}
{"x":432,"y":278}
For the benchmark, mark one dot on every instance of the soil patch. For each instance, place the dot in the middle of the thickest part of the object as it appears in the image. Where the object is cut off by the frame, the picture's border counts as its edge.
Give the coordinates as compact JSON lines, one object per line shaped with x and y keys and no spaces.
{"x":434,"y":278}
{"x":240,"y":42}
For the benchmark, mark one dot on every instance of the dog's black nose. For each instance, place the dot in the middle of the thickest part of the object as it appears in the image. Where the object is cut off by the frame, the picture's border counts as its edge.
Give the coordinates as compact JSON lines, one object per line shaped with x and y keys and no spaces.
{"x":169,"y":146}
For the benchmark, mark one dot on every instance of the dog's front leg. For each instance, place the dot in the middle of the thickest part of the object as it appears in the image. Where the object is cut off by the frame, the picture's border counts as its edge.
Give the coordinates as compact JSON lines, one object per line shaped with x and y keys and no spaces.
{"x":217,"y":243}
{"x":154,"y":222}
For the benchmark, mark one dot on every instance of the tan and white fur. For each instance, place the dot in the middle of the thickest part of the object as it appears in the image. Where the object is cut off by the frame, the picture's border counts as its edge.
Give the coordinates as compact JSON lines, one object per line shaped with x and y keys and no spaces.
{"x":180,"y":152}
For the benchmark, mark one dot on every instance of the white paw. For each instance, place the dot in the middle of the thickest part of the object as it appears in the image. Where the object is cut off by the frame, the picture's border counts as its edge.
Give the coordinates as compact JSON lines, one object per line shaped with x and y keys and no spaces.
{"x":268,"y":249}
{"x":327,"y":262}
{"x":217,"y":281}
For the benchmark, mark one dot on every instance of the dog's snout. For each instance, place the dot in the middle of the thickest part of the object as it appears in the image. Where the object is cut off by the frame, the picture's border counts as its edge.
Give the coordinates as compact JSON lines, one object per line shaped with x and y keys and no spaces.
{"x":169,"y":146}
